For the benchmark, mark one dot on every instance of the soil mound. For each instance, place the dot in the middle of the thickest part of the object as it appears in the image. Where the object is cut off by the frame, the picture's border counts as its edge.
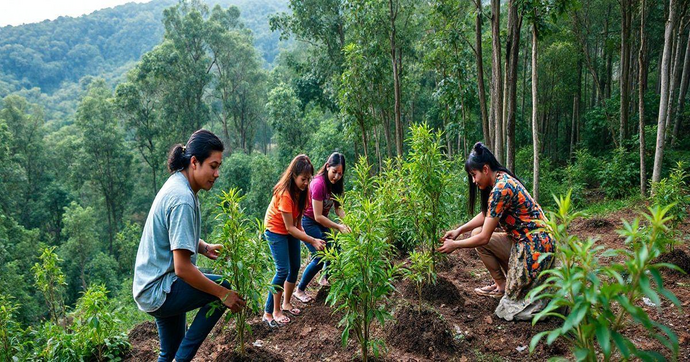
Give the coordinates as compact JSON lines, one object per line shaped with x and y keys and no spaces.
{"x":144,"y":340}
{"x":597,"y":223}
{"x":251,"y":354}
{"x":423,"y":333}
{"x":321,"y":295}
{"x":443,"y":292}
{"x":677,"y":257}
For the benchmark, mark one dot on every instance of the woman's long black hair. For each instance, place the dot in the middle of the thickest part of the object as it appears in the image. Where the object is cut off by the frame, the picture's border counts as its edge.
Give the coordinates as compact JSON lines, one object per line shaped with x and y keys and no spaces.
{"x":200,"y":144}
{"x":299,"y":165}
{"x":479,"y":157}
{"x":335,"y":159}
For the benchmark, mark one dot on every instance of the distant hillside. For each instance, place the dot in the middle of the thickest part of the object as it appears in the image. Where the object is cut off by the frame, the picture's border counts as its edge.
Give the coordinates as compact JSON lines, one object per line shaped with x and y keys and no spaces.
{"x":56,"y":54}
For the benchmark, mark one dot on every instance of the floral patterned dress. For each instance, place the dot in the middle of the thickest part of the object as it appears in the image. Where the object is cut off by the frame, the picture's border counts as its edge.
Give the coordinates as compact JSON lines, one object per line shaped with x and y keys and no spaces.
{"x":521,"y":217}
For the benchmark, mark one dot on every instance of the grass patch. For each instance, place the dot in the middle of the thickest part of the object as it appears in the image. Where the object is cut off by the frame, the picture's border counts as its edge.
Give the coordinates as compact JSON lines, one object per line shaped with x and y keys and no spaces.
{"x":608,"y":206}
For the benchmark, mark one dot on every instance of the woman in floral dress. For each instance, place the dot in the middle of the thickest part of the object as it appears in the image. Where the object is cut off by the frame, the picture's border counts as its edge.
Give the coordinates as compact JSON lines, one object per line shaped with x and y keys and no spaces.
{"x":512,"y":257}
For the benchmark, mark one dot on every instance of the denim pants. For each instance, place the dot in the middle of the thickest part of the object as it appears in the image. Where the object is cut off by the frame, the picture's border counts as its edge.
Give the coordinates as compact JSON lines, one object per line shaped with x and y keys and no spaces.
{"x":176,"y":340}
{"x":286,"y":256}
{"x":315,"y":230}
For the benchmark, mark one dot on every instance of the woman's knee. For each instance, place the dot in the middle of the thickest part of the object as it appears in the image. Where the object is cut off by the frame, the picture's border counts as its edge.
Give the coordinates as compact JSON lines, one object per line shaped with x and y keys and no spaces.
{"x":291,"y":276}
{"x":476,"y":231}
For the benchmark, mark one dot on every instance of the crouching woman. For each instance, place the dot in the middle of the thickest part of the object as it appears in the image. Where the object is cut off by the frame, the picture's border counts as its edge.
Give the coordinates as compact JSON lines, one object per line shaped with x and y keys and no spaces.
{"x":513,"y":258}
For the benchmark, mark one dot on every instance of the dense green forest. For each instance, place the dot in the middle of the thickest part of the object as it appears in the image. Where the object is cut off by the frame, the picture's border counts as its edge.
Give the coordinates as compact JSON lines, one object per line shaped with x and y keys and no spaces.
{"x":581,"y":95}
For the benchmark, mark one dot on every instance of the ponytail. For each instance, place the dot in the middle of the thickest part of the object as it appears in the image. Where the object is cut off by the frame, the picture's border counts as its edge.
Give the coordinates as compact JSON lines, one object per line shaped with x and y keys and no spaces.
{"x":478,"y":158}
{"x":200,"y":145}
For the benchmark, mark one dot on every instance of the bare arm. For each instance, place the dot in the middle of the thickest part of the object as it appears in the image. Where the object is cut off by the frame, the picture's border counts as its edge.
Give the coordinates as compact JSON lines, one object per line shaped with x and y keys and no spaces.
{"x":320,"y":217}
{"x":300,"y":234}
{"x":474,"y":241}
{"x":476,"y":222}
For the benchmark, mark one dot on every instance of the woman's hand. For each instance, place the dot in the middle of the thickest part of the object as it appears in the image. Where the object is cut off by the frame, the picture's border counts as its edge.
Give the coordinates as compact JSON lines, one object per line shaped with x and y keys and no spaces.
{"x":451,"y":234}
{"x":233,"y":301}
{"x":449,"y":246}
{"x":318,"y":244}
{"x":212,"y":251}
{"x":344,"y":228}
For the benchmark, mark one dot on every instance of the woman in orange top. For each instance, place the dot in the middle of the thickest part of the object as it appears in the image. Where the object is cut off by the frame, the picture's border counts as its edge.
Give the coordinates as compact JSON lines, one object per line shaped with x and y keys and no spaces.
{"x":283,"y":233}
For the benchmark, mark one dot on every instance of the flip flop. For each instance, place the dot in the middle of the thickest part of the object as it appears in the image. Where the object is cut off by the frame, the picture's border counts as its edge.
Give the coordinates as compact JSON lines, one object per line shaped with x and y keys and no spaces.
{"x":486,"y":292}
{"x":285,"y":320}
{"x":304,"y":299}
{"x":271,"y":323}
{"x":485,"y":289}
{"x":292,"y":311}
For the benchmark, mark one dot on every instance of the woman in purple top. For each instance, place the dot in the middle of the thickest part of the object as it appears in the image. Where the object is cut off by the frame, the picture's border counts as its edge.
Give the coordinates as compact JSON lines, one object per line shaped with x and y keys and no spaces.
{"x":327,"y":184}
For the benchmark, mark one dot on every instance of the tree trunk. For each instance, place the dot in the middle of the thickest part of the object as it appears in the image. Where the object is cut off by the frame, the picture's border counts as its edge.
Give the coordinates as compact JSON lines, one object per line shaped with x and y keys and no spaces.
{"x":512,"y":55}
{"x":682,"y":93}
{"x":665,"y":80}
{"x":377,"y":145}
{"x":675,"y":79}
{"x":393,"y":14}
{"x":535,"y":122}
{"x":624,"y":84}
{"x":576,"y":110}
{"x":524,"y":87}
{"x":642,"y":74}
{"x":496,"y":80}
{"x":480,"y":74}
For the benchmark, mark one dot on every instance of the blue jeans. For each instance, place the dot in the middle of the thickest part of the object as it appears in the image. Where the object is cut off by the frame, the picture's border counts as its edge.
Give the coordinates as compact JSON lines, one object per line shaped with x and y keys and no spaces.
{"x":286,"y":256}
{"x":315,"y":230}
{"x":176,"y":340}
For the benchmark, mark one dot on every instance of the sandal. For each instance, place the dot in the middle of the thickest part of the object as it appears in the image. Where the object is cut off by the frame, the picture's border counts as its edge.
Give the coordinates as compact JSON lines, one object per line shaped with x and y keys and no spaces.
{"x":283,"y":321}
{"x":271,"y":323}
{"x":485,"y":289}
{"x":292,"y":311}
{"x":489,"y":291}
{"x":306,"y":298}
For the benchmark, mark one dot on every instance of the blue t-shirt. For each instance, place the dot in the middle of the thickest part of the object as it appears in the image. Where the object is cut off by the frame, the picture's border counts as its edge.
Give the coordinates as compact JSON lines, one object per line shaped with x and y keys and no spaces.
{"x":173,"y":223}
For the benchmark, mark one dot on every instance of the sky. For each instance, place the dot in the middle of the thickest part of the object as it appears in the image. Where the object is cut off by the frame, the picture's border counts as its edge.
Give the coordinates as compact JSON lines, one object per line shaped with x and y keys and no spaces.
{"x":17,"y":12}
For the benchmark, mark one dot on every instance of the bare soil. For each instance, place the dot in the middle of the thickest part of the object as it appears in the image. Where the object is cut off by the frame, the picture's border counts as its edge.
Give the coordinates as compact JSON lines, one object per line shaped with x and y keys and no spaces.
{"x":454,"y":324}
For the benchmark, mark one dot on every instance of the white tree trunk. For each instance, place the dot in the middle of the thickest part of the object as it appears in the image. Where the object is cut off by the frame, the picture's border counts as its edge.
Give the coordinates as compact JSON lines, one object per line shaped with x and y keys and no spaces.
{"x":535,"y":122}
{"x":665,"y":85}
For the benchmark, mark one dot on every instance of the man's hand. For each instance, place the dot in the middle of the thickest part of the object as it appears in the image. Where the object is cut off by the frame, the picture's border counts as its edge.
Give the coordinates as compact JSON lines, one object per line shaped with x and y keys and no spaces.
{"x":212,"y":251}
{"x":233,"y":301}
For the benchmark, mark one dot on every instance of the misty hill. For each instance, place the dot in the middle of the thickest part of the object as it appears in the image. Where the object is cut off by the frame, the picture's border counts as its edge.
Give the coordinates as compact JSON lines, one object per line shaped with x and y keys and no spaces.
{"x":55,"y":54}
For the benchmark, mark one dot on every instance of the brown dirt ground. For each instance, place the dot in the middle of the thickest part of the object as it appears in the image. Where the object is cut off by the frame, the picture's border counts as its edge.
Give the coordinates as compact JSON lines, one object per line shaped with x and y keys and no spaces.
{"x":454,"y":325}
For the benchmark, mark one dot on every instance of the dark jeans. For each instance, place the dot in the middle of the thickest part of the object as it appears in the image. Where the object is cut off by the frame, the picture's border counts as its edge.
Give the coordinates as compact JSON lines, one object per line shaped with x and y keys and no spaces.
{"x":176,"y":340}
{"x":286,"y":256}
{"x":315,"y":230}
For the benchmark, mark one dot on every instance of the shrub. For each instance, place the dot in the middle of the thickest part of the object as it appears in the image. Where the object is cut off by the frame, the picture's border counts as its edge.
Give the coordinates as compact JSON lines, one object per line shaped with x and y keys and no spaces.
{"x":420,"y":272}
{"x":601,"y":298}
{"x":583,"y":169}
{"x":51,"y":282}
{"x":360,"y":266}
{"x":96,"y":328}
{"x":619,"y":175}
{"x":428,"y":182}
{"x":673,"y":191}
{"x":10,"y":331}
{"x":244,"y":261}
{"x":392,"y":193}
